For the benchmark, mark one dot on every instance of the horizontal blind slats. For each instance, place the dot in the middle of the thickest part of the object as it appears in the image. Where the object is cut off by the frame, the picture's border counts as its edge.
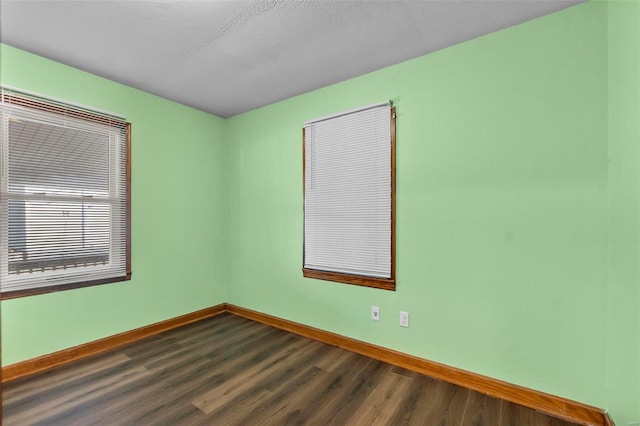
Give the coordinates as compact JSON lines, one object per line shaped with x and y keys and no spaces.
{"x":63,"y":194}
{"x":348,"y":193}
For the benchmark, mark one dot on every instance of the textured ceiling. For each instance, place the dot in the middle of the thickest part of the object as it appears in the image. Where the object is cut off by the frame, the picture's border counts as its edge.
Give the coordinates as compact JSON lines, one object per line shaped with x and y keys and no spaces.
{"x":228,"y":57}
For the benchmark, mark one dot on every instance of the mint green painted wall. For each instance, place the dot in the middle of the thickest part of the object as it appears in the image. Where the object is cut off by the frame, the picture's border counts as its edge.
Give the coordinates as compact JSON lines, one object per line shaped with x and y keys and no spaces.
{"x":501,"y":207}
{"x":517,"y":243}
{"x":178,"y":234}
{"x":623,"y":303}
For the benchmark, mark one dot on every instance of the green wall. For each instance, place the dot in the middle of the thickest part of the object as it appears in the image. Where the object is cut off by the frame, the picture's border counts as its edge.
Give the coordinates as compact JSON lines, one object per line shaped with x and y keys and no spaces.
{"x":502,"y":256}
{"x":518,"y":210}
{"x":623,"y":302}
{"x":178,"y":191}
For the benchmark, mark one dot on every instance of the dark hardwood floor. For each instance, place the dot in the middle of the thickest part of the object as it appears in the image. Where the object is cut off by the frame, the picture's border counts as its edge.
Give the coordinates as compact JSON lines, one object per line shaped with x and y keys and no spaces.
{"x":228,"y":370}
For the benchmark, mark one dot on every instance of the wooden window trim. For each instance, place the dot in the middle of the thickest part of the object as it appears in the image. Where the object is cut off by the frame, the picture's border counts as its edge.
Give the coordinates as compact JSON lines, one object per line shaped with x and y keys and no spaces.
{"x":361,"y":280}
{"x":96,"y":118}
{"x":51,"y":106}
{"x":54,"y":288}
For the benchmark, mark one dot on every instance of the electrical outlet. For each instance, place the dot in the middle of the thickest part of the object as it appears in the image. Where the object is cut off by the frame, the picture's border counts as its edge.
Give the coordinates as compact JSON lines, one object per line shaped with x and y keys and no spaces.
{"x":633,"y":424}
{"x":375,"y":313}
{"x":404,"y":319}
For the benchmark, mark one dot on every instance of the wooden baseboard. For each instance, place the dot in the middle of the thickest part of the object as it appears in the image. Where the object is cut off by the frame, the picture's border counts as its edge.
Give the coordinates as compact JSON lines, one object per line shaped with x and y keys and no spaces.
{"x":546,"y":403}
{"x":543,"y":402}
{"x":65,"y":356}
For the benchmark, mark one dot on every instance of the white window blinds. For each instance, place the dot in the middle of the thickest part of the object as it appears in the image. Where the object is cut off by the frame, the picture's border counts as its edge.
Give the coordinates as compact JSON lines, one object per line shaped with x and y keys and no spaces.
{"x":63,"y":194}
{"x":348,"y":193}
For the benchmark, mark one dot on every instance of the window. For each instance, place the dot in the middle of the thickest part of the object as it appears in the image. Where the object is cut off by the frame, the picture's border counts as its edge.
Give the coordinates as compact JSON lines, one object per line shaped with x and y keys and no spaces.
{"x":64,"y":196}
{"x":349,"y":175}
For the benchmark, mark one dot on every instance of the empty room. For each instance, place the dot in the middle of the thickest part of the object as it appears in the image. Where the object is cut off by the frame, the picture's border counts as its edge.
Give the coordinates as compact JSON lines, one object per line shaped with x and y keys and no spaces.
{"x":320,"y":212}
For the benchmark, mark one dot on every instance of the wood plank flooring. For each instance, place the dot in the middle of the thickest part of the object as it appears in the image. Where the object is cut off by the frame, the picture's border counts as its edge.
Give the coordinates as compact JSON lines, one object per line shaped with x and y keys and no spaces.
{"x":229,"y":370}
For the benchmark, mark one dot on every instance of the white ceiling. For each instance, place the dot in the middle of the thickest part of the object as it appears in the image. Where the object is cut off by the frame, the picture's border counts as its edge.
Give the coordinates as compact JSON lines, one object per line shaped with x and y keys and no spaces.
{"x":228,"y":57}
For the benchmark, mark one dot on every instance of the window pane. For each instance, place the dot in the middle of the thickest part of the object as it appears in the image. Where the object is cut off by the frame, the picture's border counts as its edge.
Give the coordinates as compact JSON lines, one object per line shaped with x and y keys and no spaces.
{"x":48,"y":158}
{"x":64,"y":196}
{"x":49,"y":235}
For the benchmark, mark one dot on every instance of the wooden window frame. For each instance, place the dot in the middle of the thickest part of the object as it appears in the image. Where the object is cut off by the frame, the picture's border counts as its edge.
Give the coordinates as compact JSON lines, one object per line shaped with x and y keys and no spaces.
{"x":52,"y":106}
{"x":361,"y":280}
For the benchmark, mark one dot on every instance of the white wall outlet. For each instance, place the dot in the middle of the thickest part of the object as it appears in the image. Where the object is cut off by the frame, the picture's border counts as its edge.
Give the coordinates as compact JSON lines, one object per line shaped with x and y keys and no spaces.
{"x":375,"y":313}
{"x":633,"y":423}
{"x":404,"y":319}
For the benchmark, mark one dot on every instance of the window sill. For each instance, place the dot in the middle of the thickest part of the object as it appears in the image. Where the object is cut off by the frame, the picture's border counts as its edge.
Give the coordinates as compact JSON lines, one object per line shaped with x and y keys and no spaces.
{"x":50,"y":289}
{"x":381,"y":283}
